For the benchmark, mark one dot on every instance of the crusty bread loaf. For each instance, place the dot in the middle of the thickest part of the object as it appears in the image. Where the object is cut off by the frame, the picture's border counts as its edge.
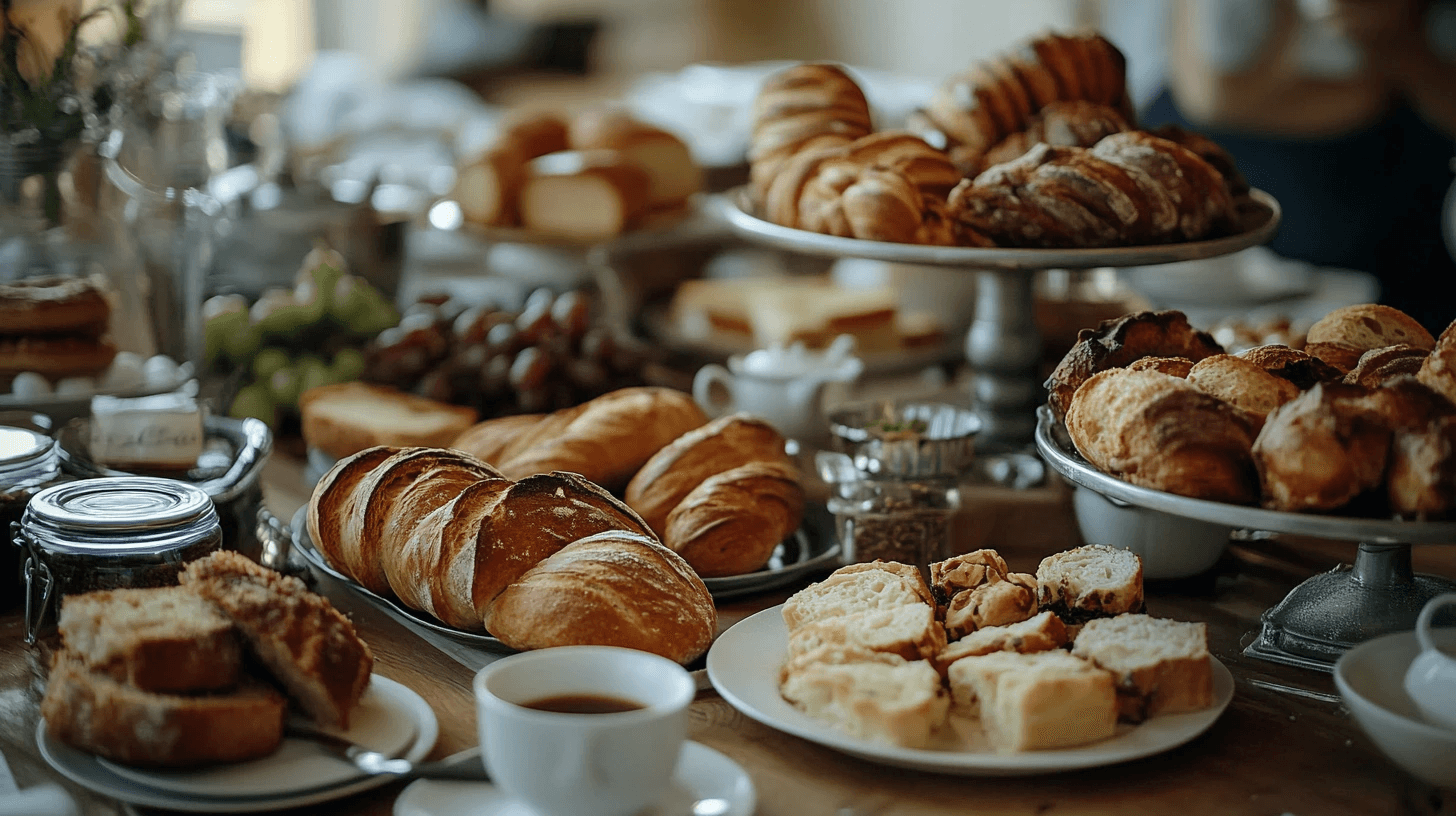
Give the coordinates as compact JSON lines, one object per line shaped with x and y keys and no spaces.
{"x":1299,"y":367}
{"x":1243,"y":384}
{"x":120,"y":722}
{"x":1162,"y":432}
{"x":849,"y":593}
{"x":672,"y":174}
{"x":1378,"y":366}
{"x":305,"y":643}
{"x":1116,"y":343}
{"x":1320,"y":450}
{"x":910,"y":631}
{"x":584,"y":195}
{"x":1438,"y":371}
{"x":675,"y":470}
{"x":344,"y":418}
{"x":996,"y":603}
{"x":1172,"y":366}
{"x":609,"y":438}
{"x":1090,"y":581}
{"x":899,"y":703}
{"x":166,"y":639}
{"x":493,"y":440}
{"x":1036,"y":701}
{"x":1421,"y":482}
{"x":489,"y":187}
{"x":616,"y":588}
{"x":959,"y":573}
{"x":732,"y":522}
{"x":1039,"y":633}
{"x":1161,"y":666}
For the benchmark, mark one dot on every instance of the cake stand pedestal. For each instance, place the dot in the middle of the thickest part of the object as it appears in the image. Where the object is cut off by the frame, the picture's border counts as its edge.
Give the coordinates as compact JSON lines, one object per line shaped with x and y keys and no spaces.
{"x":1003,"y":345}
{"x":1327,"y":614}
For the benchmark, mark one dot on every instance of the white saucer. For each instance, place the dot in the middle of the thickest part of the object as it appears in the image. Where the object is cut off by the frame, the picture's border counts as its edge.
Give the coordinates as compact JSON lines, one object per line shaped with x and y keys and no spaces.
{"x":300,"y":772}
{"x":705,"y":777}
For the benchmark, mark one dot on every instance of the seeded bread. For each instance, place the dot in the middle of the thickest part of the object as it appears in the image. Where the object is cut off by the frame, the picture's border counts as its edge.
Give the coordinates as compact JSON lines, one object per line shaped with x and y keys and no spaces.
{"x":305,"y":643}
{"x":95,"y":713}
{"x":1036,"y":701}
{"x":1039,"y":633}
{"x":1090,"y":581}
{"x":1161,"y":666}
{"x":164,"y":639}
{"x":896,"y":703}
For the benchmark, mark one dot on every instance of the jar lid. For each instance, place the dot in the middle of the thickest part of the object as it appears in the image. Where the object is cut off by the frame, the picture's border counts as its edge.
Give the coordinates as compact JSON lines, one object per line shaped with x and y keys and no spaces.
{"x":123,"y":514}
{"x":23,"y":450}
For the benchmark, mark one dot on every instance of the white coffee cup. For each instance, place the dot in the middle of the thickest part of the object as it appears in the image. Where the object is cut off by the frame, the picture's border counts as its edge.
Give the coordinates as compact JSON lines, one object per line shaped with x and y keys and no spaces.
{"x":574,"y":763}
{"x":1431,"y":679}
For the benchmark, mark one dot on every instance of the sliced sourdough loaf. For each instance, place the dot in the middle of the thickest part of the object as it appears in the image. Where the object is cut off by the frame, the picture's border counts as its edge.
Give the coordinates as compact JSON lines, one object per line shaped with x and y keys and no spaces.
{"x":1036,"y":701}
{"x":1040,"y":633}
{"x":162,"y":639}
{"x":95,"y":713}
{"x":910,"y":631}
{"x":900,"y":703}
{"x":306,"y":644}
{"x":848,"y":593}
{"x":1161,"y":666}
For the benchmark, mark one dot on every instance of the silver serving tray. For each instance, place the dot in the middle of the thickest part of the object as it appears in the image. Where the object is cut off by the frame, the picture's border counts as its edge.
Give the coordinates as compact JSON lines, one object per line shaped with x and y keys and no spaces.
{"x":1057,"y":449}
{"x":1260,"y":219}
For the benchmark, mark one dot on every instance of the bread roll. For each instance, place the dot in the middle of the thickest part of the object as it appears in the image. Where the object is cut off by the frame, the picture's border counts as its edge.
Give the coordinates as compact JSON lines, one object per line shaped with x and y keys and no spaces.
{"x":1421,"y":483}
{"x":676,"y":469}
{"x":1090,"y":581}
{"x":616,"y":588}
{"x":1320,"y":450}
{"x":672,"y":174}
{"x":1243,"y":384}
{"x":732,"y":522}
{"x":1162,"y":432}
{"x":1366,"y":326}
{"x":122,"y":723}
{"x":583,"y":195}
{"x":341,"y":419}
{"x":1299,"y":367}
{"x":1377,"y":366}
{"x":1118,"y":342}
{"x":609,"y":438}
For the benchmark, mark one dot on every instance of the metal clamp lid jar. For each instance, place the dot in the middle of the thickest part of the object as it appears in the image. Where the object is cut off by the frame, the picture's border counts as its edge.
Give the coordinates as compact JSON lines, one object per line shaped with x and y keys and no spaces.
{"x":111,"y":533}
{"x":28,"y":464}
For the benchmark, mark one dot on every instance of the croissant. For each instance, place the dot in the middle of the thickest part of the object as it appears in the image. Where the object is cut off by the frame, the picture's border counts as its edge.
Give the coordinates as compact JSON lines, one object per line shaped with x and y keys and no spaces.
{"x":1074,"y":123}
{"x":803,"y":106}
{"x":444,"y":533}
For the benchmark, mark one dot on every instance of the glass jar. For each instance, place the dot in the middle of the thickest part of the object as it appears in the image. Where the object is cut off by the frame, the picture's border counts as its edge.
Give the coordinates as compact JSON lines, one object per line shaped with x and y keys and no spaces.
{"x":28,"y":464}
{"x":894,"y":520}
{"x":111,"y":533}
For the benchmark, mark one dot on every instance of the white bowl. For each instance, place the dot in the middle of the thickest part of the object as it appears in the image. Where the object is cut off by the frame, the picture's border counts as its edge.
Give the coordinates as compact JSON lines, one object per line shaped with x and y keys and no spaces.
{"x":1170,"y":546}
{"x":1371,"y":677}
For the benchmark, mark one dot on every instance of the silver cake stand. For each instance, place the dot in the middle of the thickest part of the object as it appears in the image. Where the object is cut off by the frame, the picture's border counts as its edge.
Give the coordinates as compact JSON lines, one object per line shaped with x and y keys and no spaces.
{"x":1003,"y":345}
{"x":1322,"y":617}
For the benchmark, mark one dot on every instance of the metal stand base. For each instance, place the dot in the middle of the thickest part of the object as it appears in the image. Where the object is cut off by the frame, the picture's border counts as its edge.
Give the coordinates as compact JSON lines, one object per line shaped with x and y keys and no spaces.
{"x":1003,"y":347}
{"x":1327,"y":614}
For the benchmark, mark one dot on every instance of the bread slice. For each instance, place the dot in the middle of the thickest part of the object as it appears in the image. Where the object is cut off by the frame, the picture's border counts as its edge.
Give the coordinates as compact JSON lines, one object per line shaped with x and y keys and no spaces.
{"x":1161,"y":666}
{"x":95,"y":713}
{"x":900,"y":703}
{"x":907,"y":571}
{"x":866,"y":591}
{"x":1040,"y":633}
{"x":308,"y":646}
{"x":996,"y":603}
{"x":909,"y":631}
{"x":1090,"y":581}
{"x":162,"y":639}
{"x":341,"y":419}
{"x":1036,"y":701}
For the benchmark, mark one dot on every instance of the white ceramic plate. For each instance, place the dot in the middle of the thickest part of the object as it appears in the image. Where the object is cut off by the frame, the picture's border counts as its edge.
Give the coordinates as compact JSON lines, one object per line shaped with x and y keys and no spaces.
{"x":300,"y":773}
{"x":743,"y":666}
{"x":704,"y":777}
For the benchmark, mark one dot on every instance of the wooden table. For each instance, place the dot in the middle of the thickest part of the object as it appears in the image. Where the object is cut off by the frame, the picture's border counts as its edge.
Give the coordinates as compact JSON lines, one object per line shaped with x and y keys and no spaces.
{"x":1272,"y":752}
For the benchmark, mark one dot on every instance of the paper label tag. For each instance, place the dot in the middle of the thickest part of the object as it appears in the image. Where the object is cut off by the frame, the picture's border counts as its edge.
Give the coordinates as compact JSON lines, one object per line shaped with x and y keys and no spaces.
{"x":164,"y":431}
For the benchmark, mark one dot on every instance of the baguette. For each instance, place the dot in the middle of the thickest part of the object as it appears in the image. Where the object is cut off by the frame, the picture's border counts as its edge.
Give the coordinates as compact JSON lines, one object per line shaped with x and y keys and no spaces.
{"x":609,"y":438}
{"x":166,"y":639}
{"x":493,"y":440}
{"x":305,"y":643}
{"x":678,"y":468}
{"x":616,"y":588}
{"x":732,"y":522}
{"x":103,"y":716}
